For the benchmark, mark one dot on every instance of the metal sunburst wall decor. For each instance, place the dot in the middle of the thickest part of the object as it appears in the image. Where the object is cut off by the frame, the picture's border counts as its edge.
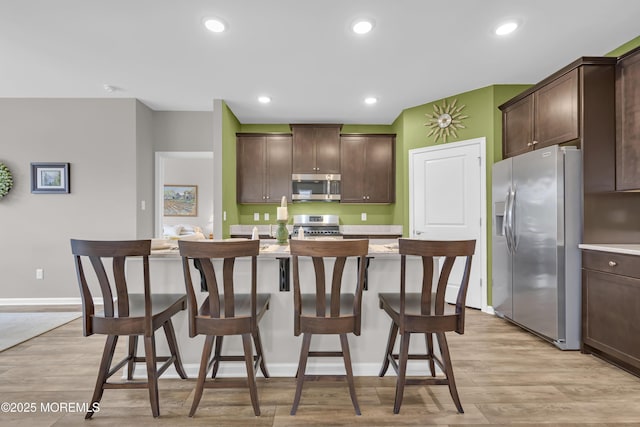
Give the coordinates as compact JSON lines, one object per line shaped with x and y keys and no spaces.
{"x":445,"y":120}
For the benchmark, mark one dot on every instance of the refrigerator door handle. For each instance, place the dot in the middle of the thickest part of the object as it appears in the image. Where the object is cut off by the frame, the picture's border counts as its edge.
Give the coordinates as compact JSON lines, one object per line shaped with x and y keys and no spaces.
{"x":505,"y":223}
{"x":512,"y":221}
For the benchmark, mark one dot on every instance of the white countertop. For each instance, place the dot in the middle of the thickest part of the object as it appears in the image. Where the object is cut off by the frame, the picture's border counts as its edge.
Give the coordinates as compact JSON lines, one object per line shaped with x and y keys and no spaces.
{"x":618,"y":248}
{"x":271,"y":249}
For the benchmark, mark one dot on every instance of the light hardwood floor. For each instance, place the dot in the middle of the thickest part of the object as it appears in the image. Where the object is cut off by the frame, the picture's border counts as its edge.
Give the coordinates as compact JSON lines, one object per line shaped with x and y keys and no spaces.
{"x":504,"y":375}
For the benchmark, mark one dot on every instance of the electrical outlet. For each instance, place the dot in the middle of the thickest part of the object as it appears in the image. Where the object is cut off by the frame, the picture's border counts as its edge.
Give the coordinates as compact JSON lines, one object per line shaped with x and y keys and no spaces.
{"x":39,"y":273}
{"x":363,"y":216}
{"x":266,"y":216}
{"x":143,"y":205}
{"x":256,"y":216}
{"x":224,"y":215}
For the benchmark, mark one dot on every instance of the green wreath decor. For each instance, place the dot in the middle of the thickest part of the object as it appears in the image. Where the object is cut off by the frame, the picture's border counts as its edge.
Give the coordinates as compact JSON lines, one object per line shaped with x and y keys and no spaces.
{"x":6,"y":180}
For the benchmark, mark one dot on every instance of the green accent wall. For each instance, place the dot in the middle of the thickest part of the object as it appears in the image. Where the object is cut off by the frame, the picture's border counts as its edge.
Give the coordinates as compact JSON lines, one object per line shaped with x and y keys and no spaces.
{"x":631,"y":44}
{"x":230,"y":125}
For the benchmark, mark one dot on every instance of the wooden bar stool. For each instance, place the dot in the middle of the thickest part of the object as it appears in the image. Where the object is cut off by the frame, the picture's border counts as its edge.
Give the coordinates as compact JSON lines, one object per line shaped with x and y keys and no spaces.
{"x":225,"y":312}
{"x":126,"y":314}
{"x":327,"y":312}
{"x":426,"y":313}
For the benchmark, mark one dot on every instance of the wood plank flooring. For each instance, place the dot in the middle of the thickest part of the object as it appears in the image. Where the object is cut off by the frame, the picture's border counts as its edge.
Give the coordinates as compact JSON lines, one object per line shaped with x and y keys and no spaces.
{"x":505,"y":376}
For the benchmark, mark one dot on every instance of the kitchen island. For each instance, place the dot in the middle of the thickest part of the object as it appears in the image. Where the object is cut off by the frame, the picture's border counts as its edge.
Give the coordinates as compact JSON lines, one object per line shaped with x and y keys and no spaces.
{"x":281,"y":347}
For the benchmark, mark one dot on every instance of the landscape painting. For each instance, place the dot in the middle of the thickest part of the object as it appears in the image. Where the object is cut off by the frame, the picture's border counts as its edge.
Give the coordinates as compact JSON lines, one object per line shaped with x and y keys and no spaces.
{"x":180,"y":200}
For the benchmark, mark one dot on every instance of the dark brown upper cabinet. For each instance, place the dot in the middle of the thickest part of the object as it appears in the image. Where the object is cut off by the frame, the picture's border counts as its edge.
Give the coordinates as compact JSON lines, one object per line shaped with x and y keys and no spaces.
{"x":316,"y":148}
{"x":546,"y":117}
{"x":573,"y":106}
{"x":368,"y":168}
{"x":263,"y":167}
{"x":628,"y":122}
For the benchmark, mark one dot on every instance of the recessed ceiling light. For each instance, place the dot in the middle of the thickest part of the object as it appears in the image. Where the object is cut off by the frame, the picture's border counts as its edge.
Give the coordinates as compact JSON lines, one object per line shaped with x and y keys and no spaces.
{"x":370,"y":100}
{"x":264,"y":99}
{"x":362,"y":26}
{"x":109,"y":88}
{"x":214,"y":25}
{"x":506,"y":28}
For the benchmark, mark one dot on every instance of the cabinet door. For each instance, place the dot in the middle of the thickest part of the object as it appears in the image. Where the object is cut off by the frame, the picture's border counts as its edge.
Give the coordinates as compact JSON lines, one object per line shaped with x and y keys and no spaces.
{"x":610,"y":315}
{"x":316,"y":148}
{"x":368,"y":168}
{"x":352,"y":149}
{"x":278,"y":168}
{"x":379,"y":175}
{"x":303,"y":150}
{"x":628,"y":123}
{"x":556,"y":111}
{"x":327,"y":149}
{"x":517,"y":128}
{"x":250,"y":169}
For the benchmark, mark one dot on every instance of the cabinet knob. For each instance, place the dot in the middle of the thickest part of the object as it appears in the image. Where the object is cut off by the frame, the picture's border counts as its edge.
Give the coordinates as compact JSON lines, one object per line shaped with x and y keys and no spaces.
{"x":529,"y":144}
{"x":535,"y":142}
{"x":364,"y":197}
{"x":612,"y":263}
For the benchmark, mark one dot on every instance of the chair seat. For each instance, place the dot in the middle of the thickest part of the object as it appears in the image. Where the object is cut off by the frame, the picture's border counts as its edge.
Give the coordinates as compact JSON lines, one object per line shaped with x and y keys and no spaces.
{"x":448,"y":321}
{"x":163,"y":306}
{"x":242,"y":305}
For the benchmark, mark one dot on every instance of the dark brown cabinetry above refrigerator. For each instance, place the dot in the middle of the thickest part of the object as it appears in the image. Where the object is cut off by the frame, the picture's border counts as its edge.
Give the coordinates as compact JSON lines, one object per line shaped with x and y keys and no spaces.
{"x":574,"y":106}
{"x":368,"y":168}
{"x":628,"y":122}
{"x":263,"y":168}
{"x":316,"y":148}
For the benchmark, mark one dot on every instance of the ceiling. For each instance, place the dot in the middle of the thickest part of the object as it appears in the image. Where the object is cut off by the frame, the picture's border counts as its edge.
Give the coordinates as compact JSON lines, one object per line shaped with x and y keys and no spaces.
{"x":300,"y":53}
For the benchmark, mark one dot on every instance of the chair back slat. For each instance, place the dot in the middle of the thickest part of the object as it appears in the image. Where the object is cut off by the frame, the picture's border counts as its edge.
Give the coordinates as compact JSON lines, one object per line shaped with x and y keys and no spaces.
{"x":105,"y":285}
{"x":318,"y":265}
{"x":336,"y":285}
{"x":427,"y":284}
{"x":227,"y":274}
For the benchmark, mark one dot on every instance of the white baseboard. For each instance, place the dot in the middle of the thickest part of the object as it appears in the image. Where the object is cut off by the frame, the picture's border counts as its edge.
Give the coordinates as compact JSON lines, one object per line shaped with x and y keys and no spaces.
{"x":46,"y":301}
{"x":288,"y":370}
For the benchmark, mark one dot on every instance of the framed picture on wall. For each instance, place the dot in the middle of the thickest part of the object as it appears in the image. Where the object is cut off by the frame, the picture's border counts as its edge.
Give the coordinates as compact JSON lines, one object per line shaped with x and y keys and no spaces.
{"x":50,"y":178}
{"x":180,"y":200}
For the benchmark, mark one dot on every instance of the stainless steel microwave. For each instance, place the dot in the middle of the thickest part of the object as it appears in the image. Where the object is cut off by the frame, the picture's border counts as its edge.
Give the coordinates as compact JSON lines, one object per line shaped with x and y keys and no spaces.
{"x":319,"y":187}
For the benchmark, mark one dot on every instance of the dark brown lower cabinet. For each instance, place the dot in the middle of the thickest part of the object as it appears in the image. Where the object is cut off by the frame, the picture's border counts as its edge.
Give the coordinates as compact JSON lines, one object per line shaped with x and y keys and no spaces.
{"x":611,"y":308}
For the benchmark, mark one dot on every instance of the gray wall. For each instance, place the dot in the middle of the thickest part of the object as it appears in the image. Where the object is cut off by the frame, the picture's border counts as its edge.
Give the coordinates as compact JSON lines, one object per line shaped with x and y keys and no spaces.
{"x":110,"y":144}
{"x":182,"y":131}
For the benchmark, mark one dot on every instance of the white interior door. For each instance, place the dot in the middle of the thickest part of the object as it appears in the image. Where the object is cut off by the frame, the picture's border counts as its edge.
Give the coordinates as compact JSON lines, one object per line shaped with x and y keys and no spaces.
{"x":447,"y":202}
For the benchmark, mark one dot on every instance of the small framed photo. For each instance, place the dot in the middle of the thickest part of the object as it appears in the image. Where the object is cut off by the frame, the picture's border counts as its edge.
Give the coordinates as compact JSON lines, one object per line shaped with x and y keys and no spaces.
{"x":50,"y":178}
{"x":180,"y":200}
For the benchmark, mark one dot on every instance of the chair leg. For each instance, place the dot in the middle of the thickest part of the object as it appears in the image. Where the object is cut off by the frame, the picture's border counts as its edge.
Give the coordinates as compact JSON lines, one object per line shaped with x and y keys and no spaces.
{"x":216,"y":356}
{"x":202,"y":374}
{"x":402,"y":371}
{"x":432,"y":365}
{"x":103,"y":372}
{"x":133,"y":346}
{"x":259,"y":353}
{"x":446,"y":359}
{"x":152,"y":374}
{"x":173,"y":348}
{"x":393,"y":333}
{"x":346,"y":355}
{"x":251,"y":375}
{"x":302,"y":367}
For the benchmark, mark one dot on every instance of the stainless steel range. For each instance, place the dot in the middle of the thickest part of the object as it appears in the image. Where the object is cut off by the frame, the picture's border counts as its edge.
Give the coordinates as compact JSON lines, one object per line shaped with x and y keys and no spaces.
{"x":316,"y":225}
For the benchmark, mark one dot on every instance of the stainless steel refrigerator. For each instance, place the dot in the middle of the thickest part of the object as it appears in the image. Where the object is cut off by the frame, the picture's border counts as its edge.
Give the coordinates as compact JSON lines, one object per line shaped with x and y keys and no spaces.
{"x":537,"y":214}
